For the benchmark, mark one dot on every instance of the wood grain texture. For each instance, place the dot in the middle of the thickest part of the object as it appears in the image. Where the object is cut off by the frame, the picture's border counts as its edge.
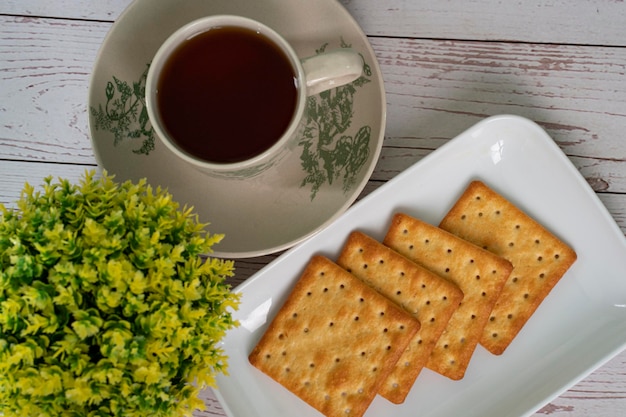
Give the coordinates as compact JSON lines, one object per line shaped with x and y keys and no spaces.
{"x":552,"y":21}
{"x":446,"y":65}
{"x":557,"y":21}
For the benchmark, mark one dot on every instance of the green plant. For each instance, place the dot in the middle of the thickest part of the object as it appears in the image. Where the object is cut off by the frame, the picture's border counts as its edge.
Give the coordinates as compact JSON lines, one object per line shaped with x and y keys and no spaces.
{"x":107,"y":307}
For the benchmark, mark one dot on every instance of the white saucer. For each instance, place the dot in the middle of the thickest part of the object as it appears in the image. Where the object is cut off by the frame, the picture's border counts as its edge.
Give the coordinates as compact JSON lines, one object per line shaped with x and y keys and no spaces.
{"x":282,"y":207}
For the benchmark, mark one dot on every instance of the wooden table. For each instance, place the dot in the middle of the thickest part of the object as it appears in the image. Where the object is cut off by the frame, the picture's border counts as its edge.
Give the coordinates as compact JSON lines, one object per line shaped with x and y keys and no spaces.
{"x":446,"y":65}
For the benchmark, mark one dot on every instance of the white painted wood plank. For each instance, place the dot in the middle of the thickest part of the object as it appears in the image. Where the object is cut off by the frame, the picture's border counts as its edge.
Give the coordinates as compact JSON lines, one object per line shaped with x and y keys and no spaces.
{"x":74,"y":9}
{"x":544,"y":21}
{"x":437,"y":89}
{"x":599,"y":22}
{"x":45,"y":66}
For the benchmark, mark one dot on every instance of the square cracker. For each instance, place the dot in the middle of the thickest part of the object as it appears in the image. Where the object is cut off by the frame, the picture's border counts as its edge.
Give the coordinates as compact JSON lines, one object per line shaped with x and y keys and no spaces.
{"x":478,"y":273}
{"x":334,"y":340}
{"x":539,"y":258}
{"x":428,"y":297}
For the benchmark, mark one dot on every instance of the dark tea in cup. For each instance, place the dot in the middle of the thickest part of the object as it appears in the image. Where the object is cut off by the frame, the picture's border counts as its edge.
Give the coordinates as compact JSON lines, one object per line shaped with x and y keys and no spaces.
{"x":227,"y":94}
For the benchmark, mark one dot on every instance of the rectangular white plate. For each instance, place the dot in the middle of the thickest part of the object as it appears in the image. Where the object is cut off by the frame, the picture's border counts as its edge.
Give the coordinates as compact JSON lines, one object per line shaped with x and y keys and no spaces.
{"x":580,"y":326}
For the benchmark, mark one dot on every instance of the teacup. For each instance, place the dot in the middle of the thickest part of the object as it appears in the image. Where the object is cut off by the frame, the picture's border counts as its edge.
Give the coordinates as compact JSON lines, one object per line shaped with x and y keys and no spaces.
{"x":227,"y":94}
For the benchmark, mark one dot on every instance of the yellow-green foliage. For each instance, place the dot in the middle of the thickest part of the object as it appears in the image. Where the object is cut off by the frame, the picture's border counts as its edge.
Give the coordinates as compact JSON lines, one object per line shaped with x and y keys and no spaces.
{"x":106,"y":306}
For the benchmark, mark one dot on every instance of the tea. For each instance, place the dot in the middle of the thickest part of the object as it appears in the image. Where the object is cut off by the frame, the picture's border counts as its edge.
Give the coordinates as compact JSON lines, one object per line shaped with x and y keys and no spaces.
{"x":227,"y":94}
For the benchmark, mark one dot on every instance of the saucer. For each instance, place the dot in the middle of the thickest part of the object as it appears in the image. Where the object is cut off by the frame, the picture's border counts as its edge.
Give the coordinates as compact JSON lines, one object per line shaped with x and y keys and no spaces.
{"x":295,"y":199}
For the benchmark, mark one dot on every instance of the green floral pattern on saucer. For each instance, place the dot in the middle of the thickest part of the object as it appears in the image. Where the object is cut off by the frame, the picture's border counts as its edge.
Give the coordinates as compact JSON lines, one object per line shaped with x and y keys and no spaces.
{"x":332,"y":149}
{"x":125,"y":114}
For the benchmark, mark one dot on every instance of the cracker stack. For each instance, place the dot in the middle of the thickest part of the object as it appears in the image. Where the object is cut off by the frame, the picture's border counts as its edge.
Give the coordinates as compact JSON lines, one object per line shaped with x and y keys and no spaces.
{"x":425,"y":296}
{"x":478,"y":273}
{"x":334,"y":341}
{"x":428,"y":297}
{"x":540,"y":259}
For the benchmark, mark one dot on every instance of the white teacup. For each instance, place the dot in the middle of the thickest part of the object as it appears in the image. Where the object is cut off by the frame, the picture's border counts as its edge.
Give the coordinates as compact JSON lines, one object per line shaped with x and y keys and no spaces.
{"x":227,"y":94}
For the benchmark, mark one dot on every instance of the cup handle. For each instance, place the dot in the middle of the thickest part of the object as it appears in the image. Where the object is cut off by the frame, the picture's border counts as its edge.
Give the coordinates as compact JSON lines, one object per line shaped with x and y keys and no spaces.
{"x":331,"y":69}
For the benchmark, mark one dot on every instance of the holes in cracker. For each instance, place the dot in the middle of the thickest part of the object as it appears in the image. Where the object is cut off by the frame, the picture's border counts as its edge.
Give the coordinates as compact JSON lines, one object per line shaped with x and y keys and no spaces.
{"x":381,"y":261}
{"x":364,"y":266}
